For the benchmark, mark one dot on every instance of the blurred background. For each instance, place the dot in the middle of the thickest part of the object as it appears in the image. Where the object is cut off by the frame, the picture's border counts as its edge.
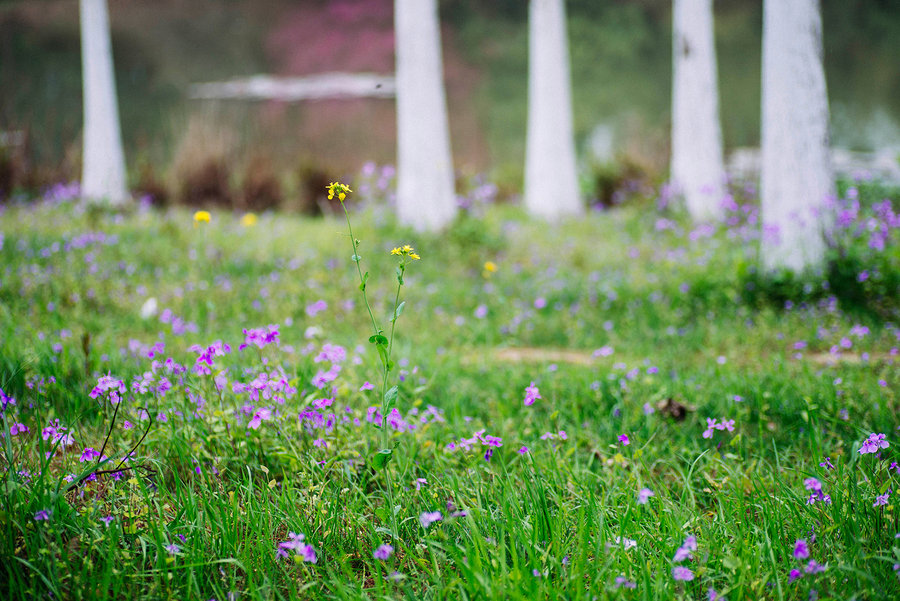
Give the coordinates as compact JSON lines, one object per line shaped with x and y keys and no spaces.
{"x":184,"y":143}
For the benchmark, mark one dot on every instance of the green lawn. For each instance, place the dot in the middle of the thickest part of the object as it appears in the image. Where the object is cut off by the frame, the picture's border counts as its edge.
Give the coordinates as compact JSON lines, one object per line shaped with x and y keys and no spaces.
{"x":630,"y":323}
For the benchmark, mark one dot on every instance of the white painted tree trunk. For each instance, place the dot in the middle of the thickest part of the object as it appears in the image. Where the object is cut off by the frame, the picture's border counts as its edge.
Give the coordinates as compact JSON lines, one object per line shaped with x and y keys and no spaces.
{"x":551,"y":180}
{"x":797,"y":182}
{"x":697,"y":170}
{"x":425,"y":181}
{"x":103,"y":168}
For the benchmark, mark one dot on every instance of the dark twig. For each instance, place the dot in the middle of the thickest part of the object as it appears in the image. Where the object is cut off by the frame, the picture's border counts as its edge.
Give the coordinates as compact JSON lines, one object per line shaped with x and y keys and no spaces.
{"x":109,"y":432}
{"x":118,"y":468}
{"x":142,"y":466}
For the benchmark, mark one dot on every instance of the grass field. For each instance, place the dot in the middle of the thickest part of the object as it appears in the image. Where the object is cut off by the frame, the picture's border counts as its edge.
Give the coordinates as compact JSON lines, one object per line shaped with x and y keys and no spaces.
{"x":614,"y":407}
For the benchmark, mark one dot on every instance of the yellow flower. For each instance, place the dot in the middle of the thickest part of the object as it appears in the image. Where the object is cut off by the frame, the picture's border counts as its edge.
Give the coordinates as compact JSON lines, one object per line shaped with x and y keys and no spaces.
{"x":490,"y":266}
{"x":338,"y":188}
{"x":406,"y":251}
{"x":201,"y":216}
{"x":249,"y":220}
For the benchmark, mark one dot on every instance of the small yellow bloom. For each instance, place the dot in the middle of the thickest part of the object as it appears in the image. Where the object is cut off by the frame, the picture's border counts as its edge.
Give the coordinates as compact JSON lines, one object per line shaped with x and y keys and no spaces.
{"x":201,"y":216}
{"x":249,"y":220}
{"x":490,"y":266}
{"x":406,"y":251}
{"x":341,"y":190}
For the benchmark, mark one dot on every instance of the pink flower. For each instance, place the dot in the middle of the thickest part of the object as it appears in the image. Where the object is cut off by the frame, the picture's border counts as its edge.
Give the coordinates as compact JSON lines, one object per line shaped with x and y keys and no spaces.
{"x":682,"y":573}
{"x":531,"y":394}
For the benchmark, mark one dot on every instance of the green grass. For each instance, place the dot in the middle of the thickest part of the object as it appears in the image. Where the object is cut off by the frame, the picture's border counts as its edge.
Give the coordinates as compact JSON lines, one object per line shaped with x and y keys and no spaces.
{"x":538,"y":525}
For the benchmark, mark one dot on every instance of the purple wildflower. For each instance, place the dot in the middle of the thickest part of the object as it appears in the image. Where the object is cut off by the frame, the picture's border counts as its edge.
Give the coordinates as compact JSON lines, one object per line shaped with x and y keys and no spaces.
{"x":429,"y":517}
{"x":531,"y":394}
{"x":623,"y":438}
{"x":682,"y":573}
{"x":644,"y":496}
{"x":801,"y":549}
{"x":814,"y":567}
{"x":873,"y":443}
{"x":882,"y":499}
{"x":383,"y":552}
{"x":42,"y":515}
{"x":684,"y":551}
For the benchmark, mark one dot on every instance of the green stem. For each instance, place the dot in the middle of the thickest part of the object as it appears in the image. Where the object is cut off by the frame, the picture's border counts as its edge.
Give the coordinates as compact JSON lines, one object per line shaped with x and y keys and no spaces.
{"x":385,"y":436}
{"x":362,"y":282}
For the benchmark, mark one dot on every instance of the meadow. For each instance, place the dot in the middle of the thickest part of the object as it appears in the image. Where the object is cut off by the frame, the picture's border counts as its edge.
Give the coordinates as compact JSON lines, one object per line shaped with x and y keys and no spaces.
{"x":616,"y":407}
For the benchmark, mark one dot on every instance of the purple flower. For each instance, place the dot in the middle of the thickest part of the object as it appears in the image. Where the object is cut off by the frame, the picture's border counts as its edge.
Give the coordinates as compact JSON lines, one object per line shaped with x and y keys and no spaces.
{"x":109,"y":385}
{"x":794,"y":575}
{"x":623,"y":438}
{"x":43,"y":515}
{"x":332,"y":353}
{"x":873,"y":443}
{"x":623,"y":582}
{"x":714,"y":596}
{"x":316,"y":307}
{"x":88,"y":454}
{"x":523,"y":450}
{"x":429,"y":517}
{"x":813,"y":567}
{"x":801,"y":549}
{"x":644,"y":496}
{"x":300,"y":548}
{"x":531,"y":394}
{"x":684,"y":551}
{"x":261,"y":414}
{"x":173,"y":549}
{"x":682,"y":573}
{"x":882,"y":499}
{"x":383,"y":552}
{"x":827,"y":464}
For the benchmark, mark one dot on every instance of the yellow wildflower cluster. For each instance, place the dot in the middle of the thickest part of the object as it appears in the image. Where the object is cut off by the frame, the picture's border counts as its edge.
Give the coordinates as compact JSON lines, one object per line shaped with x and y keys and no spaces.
{"x":338,"y":189}
{"x":406,"y":251}
{"x":201,"y":216}
{"x":489,"y":268}
{"x":249,"y":220}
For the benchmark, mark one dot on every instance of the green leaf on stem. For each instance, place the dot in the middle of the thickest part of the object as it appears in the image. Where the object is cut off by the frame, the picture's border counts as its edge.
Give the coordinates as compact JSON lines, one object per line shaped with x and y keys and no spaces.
{"x":381,"y":458}
{"x":390,"y":399}
{"x":382,"y":352}
{"x":398,"y":311}
{"x":378,"y":340}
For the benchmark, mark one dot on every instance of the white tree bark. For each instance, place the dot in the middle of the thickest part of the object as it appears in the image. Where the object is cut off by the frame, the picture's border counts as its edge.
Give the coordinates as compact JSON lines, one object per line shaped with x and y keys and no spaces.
{"x":697,"y":170}
{"x":551,"y":180}
{"x":797,"y":182}
{"x":425,"y":180}
{"x":103,"y":168}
